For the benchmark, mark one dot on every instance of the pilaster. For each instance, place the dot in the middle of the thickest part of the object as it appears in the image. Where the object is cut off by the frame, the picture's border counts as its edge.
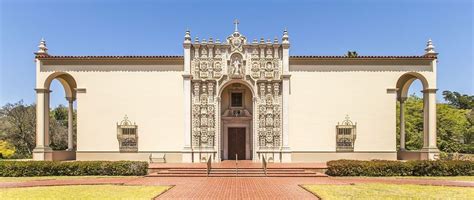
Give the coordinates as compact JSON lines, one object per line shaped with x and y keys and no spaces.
{"x":187,"y":150}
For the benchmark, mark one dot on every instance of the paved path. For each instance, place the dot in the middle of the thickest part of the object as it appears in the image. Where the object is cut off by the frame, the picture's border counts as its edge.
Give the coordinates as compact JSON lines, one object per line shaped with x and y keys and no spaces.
{"x":234,"y":188}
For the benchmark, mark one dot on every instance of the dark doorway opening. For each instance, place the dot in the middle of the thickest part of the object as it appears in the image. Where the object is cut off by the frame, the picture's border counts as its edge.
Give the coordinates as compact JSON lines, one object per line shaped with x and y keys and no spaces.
{"x":236,"y":143}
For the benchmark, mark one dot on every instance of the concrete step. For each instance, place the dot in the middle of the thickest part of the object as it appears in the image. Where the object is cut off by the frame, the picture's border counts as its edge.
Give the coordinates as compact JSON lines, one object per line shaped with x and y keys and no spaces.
{"x":236,"y":175}
{"x":233,"y":174}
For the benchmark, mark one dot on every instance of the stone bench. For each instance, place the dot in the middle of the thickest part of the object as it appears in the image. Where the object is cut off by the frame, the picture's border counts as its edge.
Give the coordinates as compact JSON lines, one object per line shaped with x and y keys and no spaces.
{"x":157,"y":157}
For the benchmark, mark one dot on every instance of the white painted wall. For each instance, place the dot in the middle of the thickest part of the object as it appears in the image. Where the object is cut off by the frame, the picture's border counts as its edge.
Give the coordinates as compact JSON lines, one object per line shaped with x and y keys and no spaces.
{"x":151,"y":99}
{"x":320,"y":98}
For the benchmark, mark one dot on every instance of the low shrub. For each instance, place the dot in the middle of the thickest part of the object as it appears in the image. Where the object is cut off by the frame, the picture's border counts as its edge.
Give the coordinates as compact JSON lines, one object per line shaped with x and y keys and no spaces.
{"x":73,"y":168}
{"x":400,"y":168}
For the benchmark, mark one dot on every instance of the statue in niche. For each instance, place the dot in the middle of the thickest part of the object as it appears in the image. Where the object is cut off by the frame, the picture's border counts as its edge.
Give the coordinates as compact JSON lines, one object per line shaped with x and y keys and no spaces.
{"x":237,"y":67}
{"x":236,"y":64}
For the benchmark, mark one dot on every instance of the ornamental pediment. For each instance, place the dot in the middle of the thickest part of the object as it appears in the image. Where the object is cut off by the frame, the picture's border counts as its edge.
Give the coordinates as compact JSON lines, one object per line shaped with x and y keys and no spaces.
{"x":236,"y":59}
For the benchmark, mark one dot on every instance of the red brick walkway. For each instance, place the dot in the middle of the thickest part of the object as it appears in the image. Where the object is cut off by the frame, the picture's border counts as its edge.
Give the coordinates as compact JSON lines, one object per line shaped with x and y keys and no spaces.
{"x":234,"y":188}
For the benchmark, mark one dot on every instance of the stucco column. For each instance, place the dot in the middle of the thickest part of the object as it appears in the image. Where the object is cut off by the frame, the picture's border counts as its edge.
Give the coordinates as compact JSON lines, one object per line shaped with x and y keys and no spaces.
{"x":42,"y":150}
{"x":402,"y":124}
{"x":430,"y":150}
{"x":70,"y":119}
{"x":187,"y":150}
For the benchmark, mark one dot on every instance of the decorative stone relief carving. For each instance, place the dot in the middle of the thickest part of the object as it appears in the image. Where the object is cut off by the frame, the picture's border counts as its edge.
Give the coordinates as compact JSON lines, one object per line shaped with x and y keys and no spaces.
{"x":203,"y":114}
{"x":269,"y":114}
{"x":215,"y":64}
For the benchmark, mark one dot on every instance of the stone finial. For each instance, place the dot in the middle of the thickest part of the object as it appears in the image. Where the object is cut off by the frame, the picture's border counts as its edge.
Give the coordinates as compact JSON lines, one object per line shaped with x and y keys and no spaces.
{"x":430,"y":49}
{"x":187,"y":37}
{"x":211,"y":40}
{"x":254,"y":41}
{"x":285,"y":38}
{"x":196,"y":40}
{"x":275,"y":40}
{"x":218,"y":41}
{"x":42,"y":49}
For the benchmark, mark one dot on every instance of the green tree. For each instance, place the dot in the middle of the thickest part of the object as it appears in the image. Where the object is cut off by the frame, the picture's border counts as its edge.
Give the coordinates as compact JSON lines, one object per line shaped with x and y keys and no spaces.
{"x":6,"y":149}
{"x":18,"y":122}
{"x":58,"y":126}
{"x":461,"y":101}
{"x":452,"y":125}
{"x":413,"y":123}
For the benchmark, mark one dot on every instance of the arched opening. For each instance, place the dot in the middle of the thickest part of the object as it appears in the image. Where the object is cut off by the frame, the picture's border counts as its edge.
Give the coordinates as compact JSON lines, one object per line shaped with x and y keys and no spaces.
{"x":59,"y":118}
{"x":236,"y":114}
{"x":418,"y":107}
{"x":43,"y":121}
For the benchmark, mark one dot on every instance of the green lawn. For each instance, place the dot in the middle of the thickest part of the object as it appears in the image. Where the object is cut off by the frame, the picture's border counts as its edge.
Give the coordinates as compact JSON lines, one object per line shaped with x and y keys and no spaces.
{"x":448,"y":178}
{"x":389,"y":191}
{"x":23,"y":179}
{"x":84,"y":192}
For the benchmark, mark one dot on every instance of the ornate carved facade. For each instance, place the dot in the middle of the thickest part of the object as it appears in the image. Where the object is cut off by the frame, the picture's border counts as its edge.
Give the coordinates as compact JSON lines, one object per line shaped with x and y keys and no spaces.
{"x":258,"y":64}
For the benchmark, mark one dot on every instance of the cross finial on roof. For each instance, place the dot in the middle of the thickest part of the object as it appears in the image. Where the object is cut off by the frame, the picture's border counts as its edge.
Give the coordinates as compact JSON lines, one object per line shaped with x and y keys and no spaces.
{"x":236,"y":24}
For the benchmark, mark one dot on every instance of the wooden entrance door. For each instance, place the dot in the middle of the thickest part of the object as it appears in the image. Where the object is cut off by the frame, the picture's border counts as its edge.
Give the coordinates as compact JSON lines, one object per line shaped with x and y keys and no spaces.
{"x":236,"y":143}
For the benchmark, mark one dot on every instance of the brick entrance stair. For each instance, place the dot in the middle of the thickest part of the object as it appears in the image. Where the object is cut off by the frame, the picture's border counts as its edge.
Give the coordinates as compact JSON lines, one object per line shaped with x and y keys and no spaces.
{"x":244,"y":169}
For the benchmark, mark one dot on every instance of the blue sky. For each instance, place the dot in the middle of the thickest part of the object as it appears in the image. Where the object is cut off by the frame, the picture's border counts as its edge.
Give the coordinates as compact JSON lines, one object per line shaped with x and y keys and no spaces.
{"x":103,"y":27}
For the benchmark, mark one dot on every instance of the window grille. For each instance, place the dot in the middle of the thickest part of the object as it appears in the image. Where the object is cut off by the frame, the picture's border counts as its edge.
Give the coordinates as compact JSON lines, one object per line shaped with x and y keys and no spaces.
{"x":345,"y":135}
{"x":127,"y":136}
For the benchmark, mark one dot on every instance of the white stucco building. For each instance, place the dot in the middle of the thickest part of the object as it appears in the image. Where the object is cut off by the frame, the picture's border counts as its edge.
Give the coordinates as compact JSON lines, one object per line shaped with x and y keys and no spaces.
{"x":236,"y":98}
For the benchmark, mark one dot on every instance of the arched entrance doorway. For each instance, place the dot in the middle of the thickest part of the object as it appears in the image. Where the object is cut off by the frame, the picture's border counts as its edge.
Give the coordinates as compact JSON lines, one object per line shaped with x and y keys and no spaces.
{"x":236,"y":114}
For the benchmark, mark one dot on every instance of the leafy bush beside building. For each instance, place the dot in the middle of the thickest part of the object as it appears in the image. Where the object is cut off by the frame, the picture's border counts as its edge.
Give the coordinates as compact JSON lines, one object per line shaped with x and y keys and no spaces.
{"x":400,"y":168}
{"x":75,"y":168}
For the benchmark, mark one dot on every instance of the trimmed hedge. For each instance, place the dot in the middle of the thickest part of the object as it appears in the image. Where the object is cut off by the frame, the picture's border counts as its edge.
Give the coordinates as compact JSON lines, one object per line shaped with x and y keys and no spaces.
{"x":400,"y":168}
{"x":73,"y":168}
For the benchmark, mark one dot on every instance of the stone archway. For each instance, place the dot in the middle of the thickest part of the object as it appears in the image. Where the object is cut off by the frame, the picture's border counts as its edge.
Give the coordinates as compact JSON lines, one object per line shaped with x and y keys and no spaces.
{"x":42,"y":150}
{"x":430,"y":149}
{"x":236,"y":111}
